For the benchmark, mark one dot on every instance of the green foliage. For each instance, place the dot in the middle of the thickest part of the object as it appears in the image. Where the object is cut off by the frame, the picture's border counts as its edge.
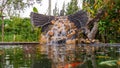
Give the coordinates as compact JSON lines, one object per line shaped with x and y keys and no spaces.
{"x":0,"y":14}
{"x":109,"y":25}
{"x":102,"y":27}
{"x":18,"y":29}
{"x":109,"y":64}
{"x":35,"y":10}
{"x":72,"y":7}
{"x":92,"y":6}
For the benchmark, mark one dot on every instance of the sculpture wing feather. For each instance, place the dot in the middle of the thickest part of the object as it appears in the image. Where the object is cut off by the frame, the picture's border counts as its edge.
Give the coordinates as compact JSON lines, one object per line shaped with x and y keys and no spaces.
{"x":40,"y":20}
{"x":80,"y":18}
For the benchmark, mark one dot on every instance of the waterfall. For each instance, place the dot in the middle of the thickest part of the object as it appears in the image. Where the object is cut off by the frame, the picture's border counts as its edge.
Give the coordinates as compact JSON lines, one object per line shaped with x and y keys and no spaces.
{"x":62,"y":33}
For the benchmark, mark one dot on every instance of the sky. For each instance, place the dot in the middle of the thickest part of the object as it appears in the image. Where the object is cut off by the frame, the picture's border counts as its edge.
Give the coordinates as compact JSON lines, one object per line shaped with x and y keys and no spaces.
{"x":43,"y":7}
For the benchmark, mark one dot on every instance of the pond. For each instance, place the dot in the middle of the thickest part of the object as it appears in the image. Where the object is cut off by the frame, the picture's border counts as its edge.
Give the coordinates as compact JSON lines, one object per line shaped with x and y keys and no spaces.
{"x":22,"y":56}
{"x":85,"y":56}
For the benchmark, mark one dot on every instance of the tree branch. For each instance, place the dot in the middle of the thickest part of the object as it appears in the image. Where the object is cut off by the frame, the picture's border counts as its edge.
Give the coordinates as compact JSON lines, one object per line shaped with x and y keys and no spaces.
{"x":4,"y":4}
{"x":97,"y":18}
{"x":92,"y":33}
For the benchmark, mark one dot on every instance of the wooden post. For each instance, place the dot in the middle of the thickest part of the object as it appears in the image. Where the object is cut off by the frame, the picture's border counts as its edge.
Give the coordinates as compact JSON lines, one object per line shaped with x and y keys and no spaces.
{"x":2,"y":28}
{"x":2,"y":18}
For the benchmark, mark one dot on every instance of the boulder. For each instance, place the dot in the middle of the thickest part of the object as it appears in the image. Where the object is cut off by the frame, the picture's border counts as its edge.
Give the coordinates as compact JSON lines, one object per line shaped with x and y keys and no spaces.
{"x":43,"y":39}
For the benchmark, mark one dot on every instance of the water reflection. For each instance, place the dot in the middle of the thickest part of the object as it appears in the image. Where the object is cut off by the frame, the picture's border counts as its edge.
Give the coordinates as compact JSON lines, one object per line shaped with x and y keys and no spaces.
{"x":19,"y":56}
{"x":84,"y":57}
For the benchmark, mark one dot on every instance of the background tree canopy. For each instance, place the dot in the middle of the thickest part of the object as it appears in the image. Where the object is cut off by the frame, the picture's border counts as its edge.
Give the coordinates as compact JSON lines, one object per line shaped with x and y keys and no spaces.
{"x":20,"y":30}
{"x":109,"y":25}
{"x":72,"y":7}
{"x":13,"y":7}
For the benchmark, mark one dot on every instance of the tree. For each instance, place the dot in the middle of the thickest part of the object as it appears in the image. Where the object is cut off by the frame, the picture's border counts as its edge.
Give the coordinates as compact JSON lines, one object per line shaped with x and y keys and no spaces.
{"x":49,"y":7}
{"x":95,"y":10}
{"x":107,"y":26}
{"x":10,"y":7}
{"x":56,"y":10}
{"x":72,"y":7}
{"x":62,"y":12}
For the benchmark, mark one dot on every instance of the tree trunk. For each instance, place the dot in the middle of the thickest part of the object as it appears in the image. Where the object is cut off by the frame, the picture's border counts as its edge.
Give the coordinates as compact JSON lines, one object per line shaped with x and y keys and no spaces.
{"x":49,"y":8}
{"x":2,"y":18}
{"x":92,"y":33}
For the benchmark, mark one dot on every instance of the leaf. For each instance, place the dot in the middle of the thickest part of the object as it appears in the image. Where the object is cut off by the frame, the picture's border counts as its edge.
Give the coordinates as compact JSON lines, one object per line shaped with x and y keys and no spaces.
{"x":96,"y":6}
{"x":109,"y":63}
{"x":35,"y":10}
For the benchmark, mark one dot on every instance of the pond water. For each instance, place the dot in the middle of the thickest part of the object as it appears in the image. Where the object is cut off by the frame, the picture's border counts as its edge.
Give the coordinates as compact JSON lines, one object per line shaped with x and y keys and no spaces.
{"x":85,"y":57}
{"x":19,"y":56}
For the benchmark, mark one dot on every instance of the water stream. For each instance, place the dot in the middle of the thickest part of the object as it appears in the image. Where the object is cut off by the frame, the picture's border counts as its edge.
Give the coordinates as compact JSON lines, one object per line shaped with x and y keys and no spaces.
{"x":57,"y":37}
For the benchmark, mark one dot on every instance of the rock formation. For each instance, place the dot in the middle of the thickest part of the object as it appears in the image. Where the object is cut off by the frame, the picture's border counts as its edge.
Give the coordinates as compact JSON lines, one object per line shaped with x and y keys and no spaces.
{"x":62,"y":33}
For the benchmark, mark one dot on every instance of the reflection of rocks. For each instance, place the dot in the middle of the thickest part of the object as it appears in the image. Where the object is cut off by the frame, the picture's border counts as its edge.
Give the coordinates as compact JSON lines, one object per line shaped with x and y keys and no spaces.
{"x":87,"y":41}
{"x":70,"y":42}
{"x":43,"y":48}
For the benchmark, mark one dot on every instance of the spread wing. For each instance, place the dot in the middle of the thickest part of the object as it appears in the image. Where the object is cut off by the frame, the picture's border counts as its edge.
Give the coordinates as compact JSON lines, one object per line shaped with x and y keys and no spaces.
{"x":40,"y":20}
{"x":80,"y":18}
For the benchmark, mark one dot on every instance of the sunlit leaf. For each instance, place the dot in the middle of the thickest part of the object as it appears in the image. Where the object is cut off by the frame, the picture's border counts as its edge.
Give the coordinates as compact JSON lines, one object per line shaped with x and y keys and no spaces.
{"x":109,"y":63}
{"x":35,"y":10}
